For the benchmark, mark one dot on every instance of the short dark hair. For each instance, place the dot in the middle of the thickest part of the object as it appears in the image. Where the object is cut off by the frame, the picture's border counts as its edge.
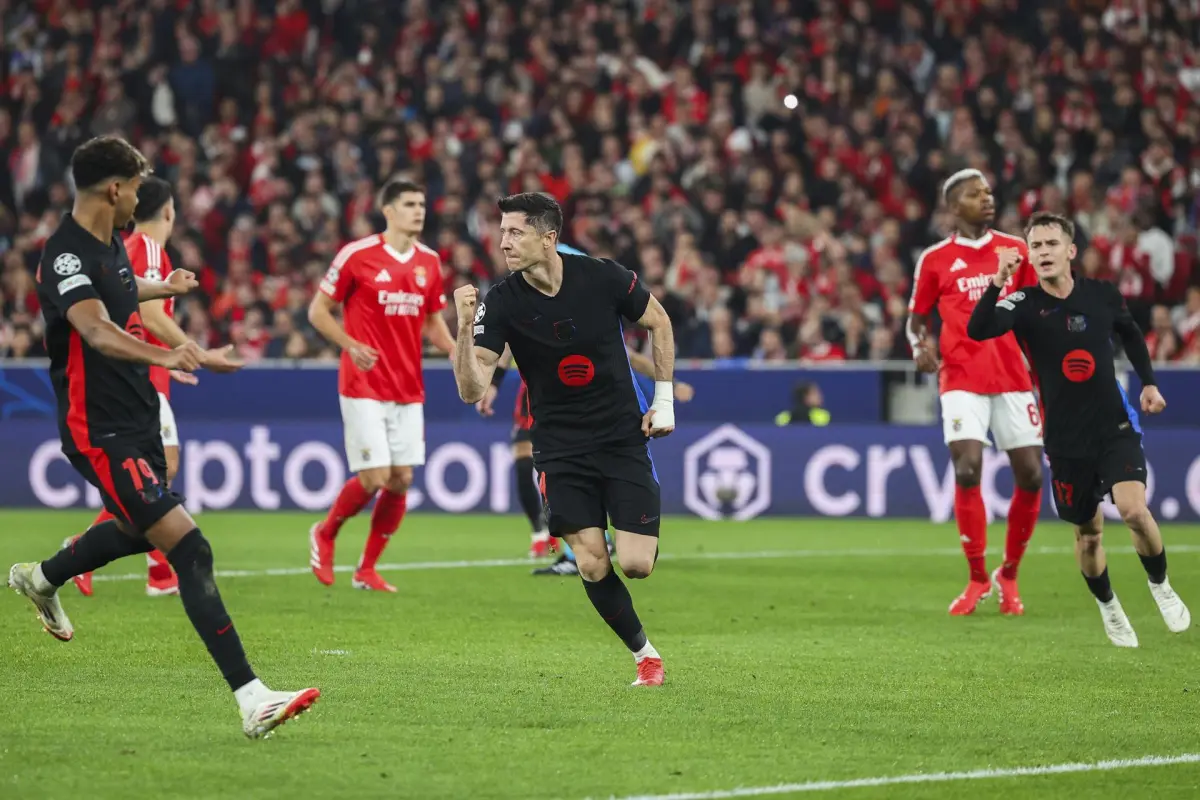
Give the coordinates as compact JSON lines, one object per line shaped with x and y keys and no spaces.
{"x":153,"y":196}
{"x":541,"y":211}
{"x":396,"y":187}
{"x":1050,"y":218}
{"x":105,"y":157}
{"x":955,"y":183}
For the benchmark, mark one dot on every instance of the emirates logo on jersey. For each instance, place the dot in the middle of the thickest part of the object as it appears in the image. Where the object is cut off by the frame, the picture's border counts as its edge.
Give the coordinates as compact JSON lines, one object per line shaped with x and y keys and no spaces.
{"x":974,"y":286}
{"x":401,"y":304}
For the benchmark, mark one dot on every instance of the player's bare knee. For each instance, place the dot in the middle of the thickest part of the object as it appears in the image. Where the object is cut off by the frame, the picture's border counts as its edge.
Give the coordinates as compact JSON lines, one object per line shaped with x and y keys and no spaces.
{"x":399,"y":480}
{"x":967,"y":471}
{"x":1136,"y":516}
{"x":373,"y":480}
{"x":1028,"y":478}
{"x":636,"y":567}
{"x":1088,"y":540}
{"x":592,"y":567}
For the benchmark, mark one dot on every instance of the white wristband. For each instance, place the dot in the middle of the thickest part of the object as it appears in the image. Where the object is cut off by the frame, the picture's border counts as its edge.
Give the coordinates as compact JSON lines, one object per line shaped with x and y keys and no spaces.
{"x":663,"y":405}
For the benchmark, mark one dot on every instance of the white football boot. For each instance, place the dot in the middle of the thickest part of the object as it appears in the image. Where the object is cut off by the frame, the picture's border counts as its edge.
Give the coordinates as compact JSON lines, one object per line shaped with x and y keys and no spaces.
{"x":1116,"y":624}
{"x":1173,"y":611}
{"x":269,"y":710}
{"x":49,"y":608}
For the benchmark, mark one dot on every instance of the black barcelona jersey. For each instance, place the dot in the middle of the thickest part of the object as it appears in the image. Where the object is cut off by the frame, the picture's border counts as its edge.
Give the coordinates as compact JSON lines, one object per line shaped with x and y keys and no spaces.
{"x":570,"y":351}
{"x":99,"y":398}
{"x":1068,"y":342}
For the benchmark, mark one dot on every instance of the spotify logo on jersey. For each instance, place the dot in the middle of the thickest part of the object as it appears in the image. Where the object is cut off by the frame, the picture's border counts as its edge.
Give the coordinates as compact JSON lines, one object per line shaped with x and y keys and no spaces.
{"x":576,"y":370}
{"x":1078,"y":366}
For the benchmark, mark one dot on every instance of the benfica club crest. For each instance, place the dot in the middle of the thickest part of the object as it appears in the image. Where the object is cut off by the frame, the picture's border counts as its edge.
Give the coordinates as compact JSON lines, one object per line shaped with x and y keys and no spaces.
{"x":419,"y":274}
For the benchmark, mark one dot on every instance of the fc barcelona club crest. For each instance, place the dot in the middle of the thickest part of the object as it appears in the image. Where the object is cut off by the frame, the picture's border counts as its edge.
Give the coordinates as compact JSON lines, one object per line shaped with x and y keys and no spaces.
{"x":419,"y":274}
{"x":1077,"y":323}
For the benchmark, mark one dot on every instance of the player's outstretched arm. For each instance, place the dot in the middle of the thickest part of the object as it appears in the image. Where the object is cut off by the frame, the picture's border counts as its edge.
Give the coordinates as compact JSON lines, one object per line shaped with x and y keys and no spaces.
{"x":90,"y":318}
{"x":320,"y":314}
{"x":155,"y":318}
{"x":181,"y":281}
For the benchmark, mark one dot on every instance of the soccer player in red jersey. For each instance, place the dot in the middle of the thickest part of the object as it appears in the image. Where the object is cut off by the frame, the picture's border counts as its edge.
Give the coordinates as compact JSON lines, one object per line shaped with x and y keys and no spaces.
{"x":154,"y":220}
{"x":983,"y":385}
{"x":390,"y":287}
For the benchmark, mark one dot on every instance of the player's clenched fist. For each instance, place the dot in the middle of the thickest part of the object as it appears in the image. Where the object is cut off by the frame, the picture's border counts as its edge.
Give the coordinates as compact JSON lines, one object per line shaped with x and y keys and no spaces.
{"x":1152,"y":400}
{"x":181,"y":281}
{"x":1010,"y":259}
{"x":465,"y":300}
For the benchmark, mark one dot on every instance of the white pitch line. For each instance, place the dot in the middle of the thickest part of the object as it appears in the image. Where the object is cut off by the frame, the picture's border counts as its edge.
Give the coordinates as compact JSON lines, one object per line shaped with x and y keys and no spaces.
{"x":719,"y":556}
{"x":926,"y":777}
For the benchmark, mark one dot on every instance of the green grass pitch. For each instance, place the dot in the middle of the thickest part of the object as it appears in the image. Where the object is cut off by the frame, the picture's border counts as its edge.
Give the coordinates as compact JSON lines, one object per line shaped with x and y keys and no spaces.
{"x":796,"y":651}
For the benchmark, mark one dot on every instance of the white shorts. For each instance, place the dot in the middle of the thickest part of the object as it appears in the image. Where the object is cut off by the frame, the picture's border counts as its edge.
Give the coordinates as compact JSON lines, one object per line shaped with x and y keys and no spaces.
{"x":166,"y":422}
{"x":1012,"y":417}
{"x":380,"y":434}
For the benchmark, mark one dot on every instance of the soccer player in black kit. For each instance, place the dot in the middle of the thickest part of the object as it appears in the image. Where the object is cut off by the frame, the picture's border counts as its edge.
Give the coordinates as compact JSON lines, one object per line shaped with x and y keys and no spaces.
{"x":1065,"y":325}
{"x":109,"y":420}
{"x":560,"y":315}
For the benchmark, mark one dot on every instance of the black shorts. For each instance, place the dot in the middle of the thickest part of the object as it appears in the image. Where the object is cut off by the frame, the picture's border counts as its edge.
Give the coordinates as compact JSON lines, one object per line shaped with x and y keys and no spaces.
{"x":617,"y":484}
{"x":132,"y":479}
{"x":1080,"y":484}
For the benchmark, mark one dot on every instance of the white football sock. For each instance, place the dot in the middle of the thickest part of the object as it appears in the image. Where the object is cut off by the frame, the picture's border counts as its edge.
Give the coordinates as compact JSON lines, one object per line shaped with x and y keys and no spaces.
{"x":647,"y":651}
{"x":248,"y":696}
{"x":40,"y":584}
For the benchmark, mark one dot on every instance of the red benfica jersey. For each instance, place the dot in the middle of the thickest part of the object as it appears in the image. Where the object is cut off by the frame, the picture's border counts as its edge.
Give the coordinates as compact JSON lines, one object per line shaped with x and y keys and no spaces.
{"x":951,"y":276}
{"x":386,"y":296}
{"x":150,"y":261}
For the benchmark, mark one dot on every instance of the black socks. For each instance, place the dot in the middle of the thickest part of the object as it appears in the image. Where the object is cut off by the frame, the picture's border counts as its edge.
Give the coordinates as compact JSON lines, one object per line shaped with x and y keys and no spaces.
{"x":100,"y":545}
{"x":527,"y":491}
{"x":1155,"y":566}
{"x":192,"y":559}
{"x":1100,"y":586}
{"x":612,"y":601}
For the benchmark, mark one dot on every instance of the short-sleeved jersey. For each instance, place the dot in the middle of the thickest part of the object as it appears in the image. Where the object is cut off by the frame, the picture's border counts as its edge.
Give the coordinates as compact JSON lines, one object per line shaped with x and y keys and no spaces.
{"x":1069,"y":344}
{"x":386,"y":296}
{"x":951,"y":276}
{"x":570,"y":351}
{"x":150,"y":261}
{"x":99,"y":398}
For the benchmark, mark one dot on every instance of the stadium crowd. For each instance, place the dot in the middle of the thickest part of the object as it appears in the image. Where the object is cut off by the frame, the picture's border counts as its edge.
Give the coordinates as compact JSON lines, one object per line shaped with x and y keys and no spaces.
{"x":770,"y":168}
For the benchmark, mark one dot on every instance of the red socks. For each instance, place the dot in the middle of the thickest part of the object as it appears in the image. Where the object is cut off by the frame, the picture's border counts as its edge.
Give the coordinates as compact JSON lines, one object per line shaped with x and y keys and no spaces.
{"x":352,"y":499}
{"x":971,"y":517}
{"x":385,"y":519}
{"x":1022,"y":517}
{"x":160,"y":568}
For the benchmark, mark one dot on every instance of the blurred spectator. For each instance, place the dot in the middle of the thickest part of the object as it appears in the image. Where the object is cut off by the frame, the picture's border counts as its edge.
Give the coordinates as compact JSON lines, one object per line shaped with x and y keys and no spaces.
{"x":767,"y":232}
{"x":807,"y":402}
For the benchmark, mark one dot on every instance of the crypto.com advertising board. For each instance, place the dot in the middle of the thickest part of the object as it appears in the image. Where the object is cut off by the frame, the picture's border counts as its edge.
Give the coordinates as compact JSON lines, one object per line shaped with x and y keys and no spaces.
{"x":727,"y":471}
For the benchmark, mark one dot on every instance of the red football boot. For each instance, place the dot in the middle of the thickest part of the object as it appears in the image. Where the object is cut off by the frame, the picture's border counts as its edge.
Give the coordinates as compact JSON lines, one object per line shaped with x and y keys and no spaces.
{"x":975,"y":593}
